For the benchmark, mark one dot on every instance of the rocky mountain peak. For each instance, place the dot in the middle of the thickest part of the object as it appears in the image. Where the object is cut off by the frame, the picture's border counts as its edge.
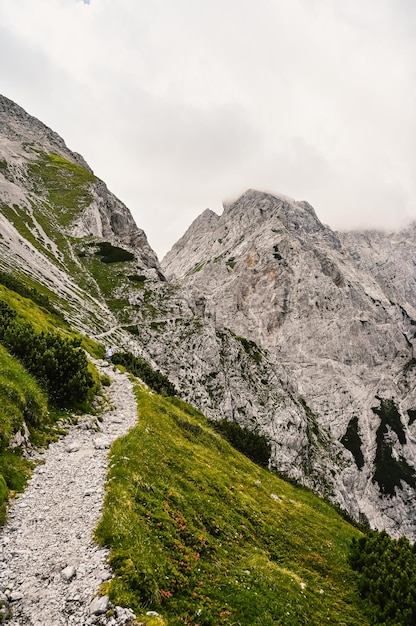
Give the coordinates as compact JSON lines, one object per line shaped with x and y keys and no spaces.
{"x":28,"y":133}
{"x":259,"y":205}
{"x":26,"y":141}
{"x":254,"y":216}
{"x":54,"y":211}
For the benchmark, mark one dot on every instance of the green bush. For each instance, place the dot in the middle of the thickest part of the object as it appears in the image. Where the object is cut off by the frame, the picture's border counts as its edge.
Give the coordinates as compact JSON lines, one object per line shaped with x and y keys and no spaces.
{"x":352,"y":441}
{"x":387,"y":577}
{"x":56,"y":362}
{"x":140,"y":368}
{"x":390,"y":471}
{"x":4,"y":496}
{"x":15,"y":470}
{"x":21,"y":399}
{"x":250,"y":443}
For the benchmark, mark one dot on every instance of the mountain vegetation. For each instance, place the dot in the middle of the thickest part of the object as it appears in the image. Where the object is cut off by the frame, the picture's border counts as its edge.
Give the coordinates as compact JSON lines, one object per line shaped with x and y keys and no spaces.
{"x":203,"y":536}
{"x":56,"y":362}
{"x":143,"y":370}
{"x":44,"y":375}
{"x":387,"y":577}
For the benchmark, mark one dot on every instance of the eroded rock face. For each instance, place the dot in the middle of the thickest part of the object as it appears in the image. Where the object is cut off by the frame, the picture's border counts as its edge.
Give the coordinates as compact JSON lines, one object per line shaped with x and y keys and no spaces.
{"x":338,"y":319}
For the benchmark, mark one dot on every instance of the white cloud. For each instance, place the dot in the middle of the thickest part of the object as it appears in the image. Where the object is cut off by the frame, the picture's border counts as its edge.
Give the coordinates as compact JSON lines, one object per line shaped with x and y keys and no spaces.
{"x":180,"y":105}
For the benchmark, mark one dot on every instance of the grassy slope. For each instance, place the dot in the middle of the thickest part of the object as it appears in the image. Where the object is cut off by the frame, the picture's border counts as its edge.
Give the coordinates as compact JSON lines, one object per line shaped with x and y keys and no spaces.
{"x":203,"y":536}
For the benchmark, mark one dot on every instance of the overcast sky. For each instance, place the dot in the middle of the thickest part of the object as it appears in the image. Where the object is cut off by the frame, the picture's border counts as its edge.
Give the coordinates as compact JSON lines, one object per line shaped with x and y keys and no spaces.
{"x":180,"y":104}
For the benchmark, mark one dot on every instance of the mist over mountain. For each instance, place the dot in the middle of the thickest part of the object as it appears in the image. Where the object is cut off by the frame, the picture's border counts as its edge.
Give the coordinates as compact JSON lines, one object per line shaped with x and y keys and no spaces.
{"x":262,"y":316}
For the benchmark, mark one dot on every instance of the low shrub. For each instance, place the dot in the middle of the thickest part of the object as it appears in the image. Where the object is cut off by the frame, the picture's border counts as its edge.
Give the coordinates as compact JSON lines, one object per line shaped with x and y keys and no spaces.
{"x":21,"y":399}
{"x":387,"y":577}
{"x":251,"y":444}
{"x":56,"y":362}
{"x":4,"y":496}
{"x":11,"y":282}
{"x":113,"y":254}
{"x":141,"y":368}
{"x":15,"y":471}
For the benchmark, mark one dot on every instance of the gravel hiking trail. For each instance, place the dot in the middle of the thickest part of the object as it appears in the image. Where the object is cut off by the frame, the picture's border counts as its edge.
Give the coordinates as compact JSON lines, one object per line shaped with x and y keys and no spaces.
{"x":50,"y":567}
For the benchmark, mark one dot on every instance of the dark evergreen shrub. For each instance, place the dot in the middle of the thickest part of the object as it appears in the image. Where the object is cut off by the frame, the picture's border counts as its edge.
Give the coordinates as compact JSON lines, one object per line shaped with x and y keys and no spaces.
{"x":137,"y":278}
{"x":56,"y":362}
{"x":113,"y":254}
{"x":4,"y":496}
{"x":412,"y":416}
{"x":250,"y":443}
{"x":141,"y":368}
{"x":13,"y":283}
{"x":352,"y":441}
{"x":390,"y":471}
{"x":251,"y":348}
{"x":386,"y":577}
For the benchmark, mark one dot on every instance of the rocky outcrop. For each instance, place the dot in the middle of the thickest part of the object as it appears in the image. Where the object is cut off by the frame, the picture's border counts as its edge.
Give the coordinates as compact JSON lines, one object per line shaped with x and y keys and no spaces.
{"x":52,"y":212}
{"x":22,"y":134}
{"x":390,"y":258}
{"x":109,"y":219}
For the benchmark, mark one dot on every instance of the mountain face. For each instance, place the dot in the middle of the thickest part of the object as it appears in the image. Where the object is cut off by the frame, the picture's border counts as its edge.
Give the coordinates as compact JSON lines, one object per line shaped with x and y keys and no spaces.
{"x":262,"y":315}
{"x":337,"y":312}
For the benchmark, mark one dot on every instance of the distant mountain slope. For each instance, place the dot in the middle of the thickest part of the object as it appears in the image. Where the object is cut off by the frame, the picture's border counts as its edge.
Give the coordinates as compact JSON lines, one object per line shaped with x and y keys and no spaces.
{"x":338,"y":312}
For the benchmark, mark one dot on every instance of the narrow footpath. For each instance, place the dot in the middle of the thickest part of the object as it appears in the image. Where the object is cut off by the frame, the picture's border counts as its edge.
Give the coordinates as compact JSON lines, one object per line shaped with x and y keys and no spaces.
{"x":50,"y":567}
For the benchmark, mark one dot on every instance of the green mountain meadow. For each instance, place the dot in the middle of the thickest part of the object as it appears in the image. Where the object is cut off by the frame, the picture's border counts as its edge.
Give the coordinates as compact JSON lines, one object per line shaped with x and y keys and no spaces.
{"x":203,"y":536}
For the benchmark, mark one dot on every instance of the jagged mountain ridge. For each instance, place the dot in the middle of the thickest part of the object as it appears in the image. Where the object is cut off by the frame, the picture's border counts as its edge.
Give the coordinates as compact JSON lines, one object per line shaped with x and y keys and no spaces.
{"x":217,"y":333}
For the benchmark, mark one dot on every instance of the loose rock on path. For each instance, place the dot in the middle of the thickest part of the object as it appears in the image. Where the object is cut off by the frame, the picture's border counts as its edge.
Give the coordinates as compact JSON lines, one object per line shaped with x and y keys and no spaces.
{"x":50,"y":567}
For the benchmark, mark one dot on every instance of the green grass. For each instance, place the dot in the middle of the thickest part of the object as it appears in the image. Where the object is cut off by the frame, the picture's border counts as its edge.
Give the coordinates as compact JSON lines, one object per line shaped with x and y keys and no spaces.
{"x":13,"y":283}
{"x":203,"y":536}
{"x":66,"y":185}
{"x":28,"y":310}
{"x":196,"y":268}
{"x":23,"y":223}
{"x":109,"y":281}
{"x":43,"y":320}
{"x":20,"y":398}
